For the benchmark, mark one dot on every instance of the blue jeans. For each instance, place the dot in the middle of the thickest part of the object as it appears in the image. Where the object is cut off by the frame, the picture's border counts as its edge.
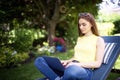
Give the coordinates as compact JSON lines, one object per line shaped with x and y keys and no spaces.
{"x":77,"y":73}
{"x":71,"y":73}
{"x":43,"y":67}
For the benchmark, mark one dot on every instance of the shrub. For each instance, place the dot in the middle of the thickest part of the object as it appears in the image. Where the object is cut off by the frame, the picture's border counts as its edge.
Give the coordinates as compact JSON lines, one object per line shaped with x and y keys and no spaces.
{"x":23,"y":40}
{"x":10,"y":58}
{"x":116,"y":29}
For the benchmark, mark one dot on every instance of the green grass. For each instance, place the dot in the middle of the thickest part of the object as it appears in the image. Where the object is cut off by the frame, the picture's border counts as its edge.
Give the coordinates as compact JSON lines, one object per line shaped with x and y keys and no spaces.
{"x":29,"y":71}
{"x":25,"y":72}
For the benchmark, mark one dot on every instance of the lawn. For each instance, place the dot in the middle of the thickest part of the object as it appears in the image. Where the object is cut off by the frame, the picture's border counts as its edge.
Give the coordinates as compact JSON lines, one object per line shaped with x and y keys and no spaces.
{"x":29,"y":71}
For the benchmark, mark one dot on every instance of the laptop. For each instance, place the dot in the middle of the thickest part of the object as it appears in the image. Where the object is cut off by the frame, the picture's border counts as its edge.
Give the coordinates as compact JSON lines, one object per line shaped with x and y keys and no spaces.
{"x":55,"y":64}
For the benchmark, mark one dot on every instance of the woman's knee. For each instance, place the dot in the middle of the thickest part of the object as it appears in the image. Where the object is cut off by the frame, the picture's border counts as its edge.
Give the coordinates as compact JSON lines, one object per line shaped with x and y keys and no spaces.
{"x":75,"y":72}
{"x":38,"y":60}
{"x":71,"y":71}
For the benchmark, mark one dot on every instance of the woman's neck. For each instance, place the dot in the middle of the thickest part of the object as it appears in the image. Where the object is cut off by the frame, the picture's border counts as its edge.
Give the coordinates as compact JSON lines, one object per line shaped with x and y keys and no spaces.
{"x":88,"y":34}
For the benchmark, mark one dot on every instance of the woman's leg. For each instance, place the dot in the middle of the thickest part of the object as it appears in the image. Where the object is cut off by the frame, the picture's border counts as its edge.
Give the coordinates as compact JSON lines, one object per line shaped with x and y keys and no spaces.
{"x":43,"y":67}
{"x":77,"y":73}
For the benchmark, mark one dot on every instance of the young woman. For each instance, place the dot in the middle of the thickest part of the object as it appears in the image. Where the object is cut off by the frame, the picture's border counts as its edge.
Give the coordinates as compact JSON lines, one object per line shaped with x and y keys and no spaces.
{"x":88,"y":54}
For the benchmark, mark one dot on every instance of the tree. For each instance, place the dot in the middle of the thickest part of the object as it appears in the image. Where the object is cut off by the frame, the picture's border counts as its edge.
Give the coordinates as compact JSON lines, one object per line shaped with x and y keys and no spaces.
{"x":52,"y":12}
{"x":45,"y":14}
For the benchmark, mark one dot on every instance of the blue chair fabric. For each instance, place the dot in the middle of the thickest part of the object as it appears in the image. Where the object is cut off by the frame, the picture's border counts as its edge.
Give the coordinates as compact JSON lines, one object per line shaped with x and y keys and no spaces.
{"x":103,"y":72}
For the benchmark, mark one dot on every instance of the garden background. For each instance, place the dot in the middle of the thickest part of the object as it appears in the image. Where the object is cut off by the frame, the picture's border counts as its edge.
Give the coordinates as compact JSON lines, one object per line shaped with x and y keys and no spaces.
{"x":28,"y":29}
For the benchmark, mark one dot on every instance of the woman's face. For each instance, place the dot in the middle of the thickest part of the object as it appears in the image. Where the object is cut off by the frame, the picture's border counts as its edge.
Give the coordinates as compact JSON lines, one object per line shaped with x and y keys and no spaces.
{"x":85,"y":26}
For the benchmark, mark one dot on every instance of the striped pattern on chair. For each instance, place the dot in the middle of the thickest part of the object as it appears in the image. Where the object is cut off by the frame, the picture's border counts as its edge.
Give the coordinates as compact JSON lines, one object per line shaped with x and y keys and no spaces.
{"x":109,"y":47}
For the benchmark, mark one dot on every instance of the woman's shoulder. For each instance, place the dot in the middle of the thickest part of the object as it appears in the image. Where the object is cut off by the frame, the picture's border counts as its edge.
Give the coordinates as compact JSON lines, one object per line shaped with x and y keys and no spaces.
{"x":100,"y":40}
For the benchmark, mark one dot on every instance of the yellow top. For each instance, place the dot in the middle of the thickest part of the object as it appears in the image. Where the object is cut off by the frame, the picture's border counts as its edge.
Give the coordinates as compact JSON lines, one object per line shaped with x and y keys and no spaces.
{"x":85,"y":49}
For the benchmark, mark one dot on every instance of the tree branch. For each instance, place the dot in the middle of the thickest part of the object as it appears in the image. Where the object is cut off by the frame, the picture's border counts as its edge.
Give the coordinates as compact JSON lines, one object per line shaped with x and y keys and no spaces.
{"x":56,"y":15}
{"x":63,"y":17}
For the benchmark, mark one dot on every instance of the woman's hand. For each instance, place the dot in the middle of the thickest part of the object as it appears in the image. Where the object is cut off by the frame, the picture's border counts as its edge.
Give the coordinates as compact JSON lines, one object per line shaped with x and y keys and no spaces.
{"x":64,"y":63}
{"x":72,"y":63}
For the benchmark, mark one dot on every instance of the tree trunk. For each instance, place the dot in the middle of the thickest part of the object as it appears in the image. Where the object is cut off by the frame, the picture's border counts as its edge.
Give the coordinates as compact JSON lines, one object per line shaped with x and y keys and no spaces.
{"x":51,"y":32}
{"x":53,"y":22}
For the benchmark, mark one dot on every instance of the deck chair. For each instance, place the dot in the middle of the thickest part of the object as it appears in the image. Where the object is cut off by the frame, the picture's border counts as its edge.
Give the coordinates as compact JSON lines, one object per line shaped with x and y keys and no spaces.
{"x":112,"y":51}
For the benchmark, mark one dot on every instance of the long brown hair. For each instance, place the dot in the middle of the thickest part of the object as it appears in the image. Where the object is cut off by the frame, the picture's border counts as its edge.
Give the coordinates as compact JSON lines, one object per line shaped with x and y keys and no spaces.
{"x":90,"y":18}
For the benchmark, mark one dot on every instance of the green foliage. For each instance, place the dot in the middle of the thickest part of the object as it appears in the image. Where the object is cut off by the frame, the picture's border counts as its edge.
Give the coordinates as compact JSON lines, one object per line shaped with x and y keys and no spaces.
{"x":71,"y":32}
{"x":10,"y":9}
{"x":42,"y":12}
{"x":10,"y":58}
{"x":112,"y":17}
{"x":21,"y":36}
{"x":19,"y":39}
{"x":23,"y":40}
{"x":2,"y":60}
{"x":109,"y":18}
{"x":116,"y":29}
{"x":71,"y":35}
{"x":4,"y":35}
